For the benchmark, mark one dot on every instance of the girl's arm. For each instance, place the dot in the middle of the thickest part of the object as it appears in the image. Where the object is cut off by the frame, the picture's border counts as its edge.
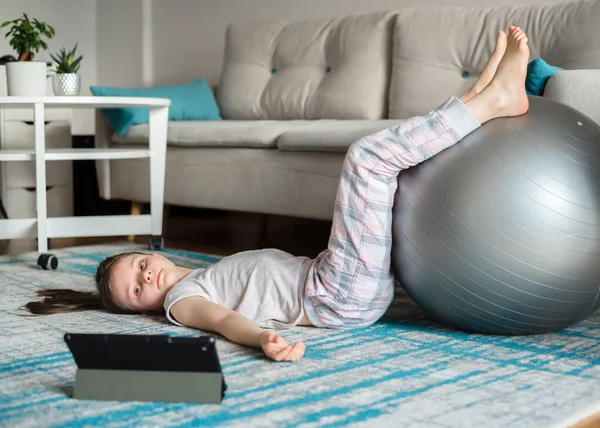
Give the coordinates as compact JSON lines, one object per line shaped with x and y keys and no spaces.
{"x":197,"y":312}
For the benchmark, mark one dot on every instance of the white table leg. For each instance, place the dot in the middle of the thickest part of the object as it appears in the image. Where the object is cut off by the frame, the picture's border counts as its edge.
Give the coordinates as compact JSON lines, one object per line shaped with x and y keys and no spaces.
{"x":159,"y":117}
{"x":40,"y":176}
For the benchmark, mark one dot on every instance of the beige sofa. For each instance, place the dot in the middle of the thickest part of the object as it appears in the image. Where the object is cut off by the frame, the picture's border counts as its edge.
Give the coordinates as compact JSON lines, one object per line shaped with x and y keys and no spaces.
{"x":295,"y":95}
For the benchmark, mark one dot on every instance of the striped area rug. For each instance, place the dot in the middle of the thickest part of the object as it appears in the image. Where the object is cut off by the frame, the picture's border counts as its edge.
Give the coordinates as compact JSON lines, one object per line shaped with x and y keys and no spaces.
{"x":404,"y":371}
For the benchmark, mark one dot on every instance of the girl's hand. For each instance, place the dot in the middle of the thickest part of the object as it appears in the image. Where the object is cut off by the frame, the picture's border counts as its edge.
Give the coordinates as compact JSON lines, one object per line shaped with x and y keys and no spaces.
{"x":277,"y":349}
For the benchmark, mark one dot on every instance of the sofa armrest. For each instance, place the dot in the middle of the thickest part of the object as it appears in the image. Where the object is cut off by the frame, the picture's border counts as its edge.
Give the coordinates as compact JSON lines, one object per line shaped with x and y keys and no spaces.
{"x":579,"y":89}
{"x":102,"y":139}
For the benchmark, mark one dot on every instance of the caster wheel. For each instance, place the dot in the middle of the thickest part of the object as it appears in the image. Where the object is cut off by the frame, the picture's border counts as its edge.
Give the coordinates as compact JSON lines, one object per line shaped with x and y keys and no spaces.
{"x":156,"y":243}
{"x":47,"y":261}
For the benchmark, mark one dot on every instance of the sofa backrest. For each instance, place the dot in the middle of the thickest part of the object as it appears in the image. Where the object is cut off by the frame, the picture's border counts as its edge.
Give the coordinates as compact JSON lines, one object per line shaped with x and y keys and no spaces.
{"x":388,"y":64}
{"x":440,"y":51}
{"x":322,"y":69}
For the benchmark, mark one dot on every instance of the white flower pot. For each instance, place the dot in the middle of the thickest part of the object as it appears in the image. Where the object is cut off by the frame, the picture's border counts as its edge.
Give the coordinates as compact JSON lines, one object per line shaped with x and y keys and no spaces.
{"x":66,"y":84}
{"x":26,"y":78}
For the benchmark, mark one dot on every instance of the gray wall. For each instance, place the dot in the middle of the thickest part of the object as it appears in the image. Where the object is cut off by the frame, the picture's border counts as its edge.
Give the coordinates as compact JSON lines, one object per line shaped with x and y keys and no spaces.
{"x":119,"y":35}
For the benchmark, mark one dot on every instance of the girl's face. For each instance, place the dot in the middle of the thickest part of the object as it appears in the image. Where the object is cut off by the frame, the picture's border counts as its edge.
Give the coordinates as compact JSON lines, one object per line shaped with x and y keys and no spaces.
{"x":140,"y":281}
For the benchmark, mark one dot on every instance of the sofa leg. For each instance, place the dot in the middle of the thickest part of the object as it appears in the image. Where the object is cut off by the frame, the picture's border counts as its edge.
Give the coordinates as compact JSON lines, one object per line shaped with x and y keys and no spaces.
{"x":136,"y":209}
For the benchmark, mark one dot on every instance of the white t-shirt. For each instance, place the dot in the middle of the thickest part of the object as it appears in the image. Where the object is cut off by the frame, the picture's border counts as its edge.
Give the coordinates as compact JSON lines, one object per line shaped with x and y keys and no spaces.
{"x":266,"y":286}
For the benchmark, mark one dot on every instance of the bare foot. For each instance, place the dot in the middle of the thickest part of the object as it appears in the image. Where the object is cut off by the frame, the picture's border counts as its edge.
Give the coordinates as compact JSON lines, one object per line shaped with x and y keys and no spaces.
{"x":489,"y":70}
{"x":505,"y":95}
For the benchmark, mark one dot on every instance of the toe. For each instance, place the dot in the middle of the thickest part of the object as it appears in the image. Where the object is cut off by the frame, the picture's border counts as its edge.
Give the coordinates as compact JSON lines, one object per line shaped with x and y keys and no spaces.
{"x":500,"y":45}
{"x":522,"y":44}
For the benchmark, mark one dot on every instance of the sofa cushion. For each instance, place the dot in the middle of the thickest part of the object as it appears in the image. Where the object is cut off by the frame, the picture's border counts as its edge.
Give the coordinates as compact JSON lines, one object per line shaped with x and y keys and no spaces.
{"x":319,"y":69}
{"x":538,"y":73}
{"x":329,"y":135}
{"x":440,"y":51}
{"x":190,"y":101}
{"x":239,"y":179}
{"x":226,"y":133}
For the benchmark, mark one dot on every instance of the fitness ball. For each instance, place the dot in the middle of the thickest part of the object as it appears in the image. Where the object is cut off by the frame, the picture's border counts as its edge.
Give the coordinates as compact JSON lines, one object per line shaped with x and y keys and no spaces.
{"x":500,"y":233}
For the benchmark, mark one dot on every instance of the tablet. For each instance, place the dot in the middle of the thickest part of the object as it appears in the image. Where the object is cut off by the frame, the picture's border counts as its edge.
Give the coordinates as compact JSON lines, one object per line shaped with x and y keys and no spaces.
{"x":144,"y":353}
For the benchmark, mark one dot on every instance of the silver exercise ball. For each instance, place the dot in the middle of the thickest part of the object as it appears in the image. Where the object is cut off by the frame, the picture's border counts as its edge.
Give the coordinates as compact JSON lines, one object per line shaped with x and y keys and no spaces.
{"x":500,"y":233}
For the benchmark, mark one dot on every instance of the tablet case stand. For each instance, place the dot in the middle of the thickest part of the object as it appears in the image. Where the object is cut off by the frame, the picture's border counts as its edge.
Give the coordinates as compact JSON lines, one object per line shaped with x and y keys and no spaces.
{"x":142,"y":385}
{"x":146,"y":368}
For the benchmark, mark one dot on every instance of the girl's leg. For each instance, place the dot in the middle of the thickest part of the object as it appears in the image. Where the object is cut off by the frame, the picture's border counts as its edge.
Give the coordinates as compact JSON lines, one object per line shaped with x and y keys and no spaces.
{"x":357,"y":260}
{"x":350,"y":284}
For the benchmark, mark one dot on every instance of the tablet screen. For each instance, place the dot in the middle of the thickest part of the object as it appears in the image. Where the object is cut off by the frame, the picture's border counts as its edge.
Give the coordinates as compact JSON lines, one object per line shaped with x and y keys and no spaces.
{"x":143,"y":352}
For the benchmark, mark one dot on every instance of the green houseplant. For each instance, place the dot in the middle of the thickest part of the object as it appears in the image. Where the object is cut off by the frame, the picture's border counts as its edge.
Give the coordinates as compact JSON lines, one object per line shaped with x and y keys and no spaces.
{"x":26,"y":36}
{"x":66,"y":81}
{"x":27,"y":77}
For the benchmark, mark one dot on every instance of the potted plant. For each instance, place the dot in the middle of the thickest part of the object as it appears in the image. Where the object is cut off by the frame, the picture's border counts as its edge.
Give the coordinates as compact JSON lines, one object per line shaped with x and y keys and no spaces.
{"x":66,"y":81}
{"x":26,"y":77}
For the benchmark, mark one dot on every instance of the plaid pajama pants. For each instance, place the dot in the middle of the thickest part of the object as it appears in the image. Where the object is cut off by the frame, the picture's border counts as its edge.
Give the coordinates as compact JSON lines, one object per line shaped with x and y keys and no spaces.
{"x":351,"y":284}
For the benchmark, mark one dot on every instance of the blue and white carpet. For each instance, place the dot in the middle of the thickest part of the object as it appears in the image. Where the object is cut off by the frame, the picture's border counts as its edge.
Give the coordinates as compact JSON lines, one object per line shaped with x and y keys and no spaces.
{"x":404,"y":371}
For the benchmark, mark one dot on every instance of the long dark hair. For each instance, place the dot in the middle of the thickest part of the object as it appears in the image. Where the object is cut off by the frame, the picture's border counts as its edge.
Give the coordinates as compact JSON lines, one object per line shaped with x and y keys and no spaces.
{"x":64,"y":300}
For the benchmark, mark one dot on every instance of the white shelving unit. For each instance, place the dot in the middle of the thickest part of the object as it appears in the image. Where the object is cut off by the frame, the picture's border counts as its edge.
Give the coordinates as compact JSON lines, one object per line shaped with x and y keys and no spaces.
{"x":17,"y":179}
{"x":41,"y":226}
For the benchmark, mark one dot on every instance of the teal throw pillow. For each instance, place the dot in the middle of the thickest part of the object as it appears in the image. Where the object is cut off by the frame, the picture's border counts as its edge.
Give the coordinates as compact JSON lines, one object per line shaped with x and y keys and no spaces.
{"x":192,"y":101}
{"x":538,"y":73}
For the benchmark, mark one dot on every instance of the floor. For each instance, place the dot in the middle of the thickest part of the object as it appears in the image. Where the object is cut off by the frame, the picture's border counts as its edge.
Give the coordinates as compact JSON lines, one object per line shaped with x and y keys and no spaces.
{"x":223,"y":233}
